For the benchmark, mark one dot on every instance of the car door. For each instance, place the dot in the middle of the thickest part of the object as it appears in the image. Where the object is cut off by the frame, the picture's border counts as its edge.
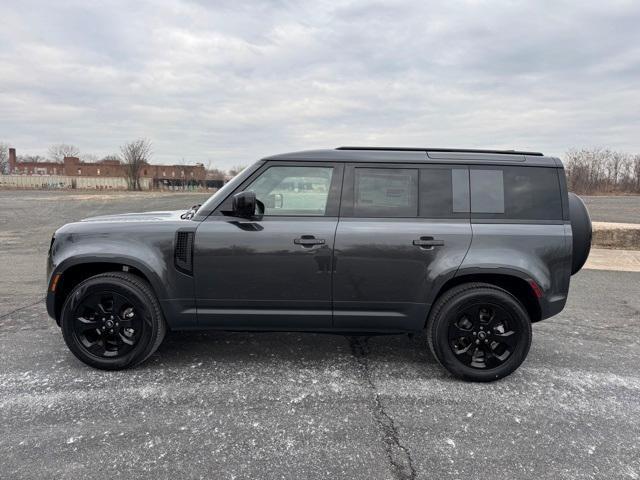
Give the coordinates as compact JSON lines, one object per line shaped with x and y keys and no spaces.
{"x":403,"y":231}
{"x":273,"y":271}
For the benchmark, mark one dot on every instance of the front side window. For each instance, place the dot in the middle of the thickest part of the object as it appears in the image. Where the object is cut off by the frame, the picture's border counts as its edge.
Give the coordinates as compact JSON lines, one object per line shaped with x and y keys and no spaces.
{"x":293,"y":190}
{"x":385,"y":192}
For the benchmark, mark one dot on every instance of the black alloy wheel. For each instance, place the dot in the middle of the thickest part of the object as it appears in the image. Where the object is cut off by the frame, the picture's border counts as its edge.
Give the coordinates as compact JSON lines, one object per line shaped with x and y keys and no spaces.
{"x":479,"y":332}
{"x":112,"y":321}
{"x":483,"y":335}
{"x":108,"y":324}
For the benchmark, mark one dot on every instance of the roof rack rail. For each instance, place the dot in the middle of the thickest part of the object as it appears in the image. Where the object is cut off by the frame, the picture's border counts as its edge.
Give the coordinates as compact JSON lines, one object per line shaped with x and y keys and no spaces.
{"x":452,"y":150}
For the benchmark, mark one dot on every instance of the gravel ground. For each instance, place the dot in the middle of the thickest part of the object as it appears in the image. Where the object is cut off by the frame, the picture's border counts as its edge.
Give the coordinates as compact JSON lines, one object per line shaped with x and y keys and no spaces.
{"x":28,"y":219}
{"x":240,"y":405}
{"x":624,"y":209}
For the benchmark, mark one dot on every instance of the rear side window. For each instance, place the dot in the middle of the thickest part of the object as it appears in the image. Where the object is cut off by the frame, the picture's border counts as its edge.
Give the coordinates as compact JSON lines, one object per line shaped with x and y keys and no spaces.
{"x":444,"y":193}
{"x":515,"y":193}
{"x":386,"y":192}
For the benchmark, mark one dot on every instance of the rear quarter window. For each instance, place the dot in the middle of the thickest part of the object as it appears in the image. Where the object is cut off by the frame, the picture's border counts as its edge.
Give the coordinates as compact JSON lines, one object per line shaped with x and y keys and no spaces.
{"x":515,"y":193}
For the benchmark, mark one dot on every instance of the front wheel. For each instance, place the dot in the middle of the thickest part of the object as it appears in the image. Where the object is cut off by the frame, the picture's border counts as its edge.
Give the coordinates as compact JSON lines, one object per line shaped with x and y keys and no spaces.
{"x":479,"y":332}
{"x":112,"y":321}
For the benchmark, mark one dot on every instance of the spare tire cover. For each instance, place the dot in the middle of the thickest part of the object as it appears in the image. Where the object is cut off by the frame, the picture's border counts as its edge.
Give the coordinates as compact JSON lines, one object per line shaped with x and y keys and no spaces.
{"x":581,"y":228}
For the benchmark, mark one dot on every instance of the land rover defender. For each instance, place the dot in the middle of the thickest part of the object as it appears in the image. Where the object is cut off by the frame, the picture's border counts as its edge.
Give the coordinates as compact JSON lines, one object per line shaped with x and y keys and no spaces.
{"x":472,"y":245}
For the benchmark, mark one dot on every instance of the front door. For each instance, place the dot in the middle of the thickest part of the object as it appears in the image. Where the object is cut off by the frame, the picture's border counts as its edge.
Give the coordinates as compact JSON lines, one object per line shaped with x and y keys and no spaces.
{"x":272,"y":272}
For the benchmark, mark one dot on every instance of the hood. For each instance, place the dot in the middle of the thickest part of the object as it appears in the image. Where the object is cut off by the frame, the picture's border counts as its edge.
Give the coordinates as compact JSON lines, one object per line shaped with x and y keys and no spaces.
{"x":138,"y":217}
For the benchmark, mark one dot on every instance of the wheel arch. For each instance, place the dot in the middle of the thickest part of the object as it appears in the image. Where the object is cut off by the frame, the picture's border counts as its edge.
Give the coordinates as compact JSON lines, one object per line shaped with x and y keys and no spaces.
{"x":77,"y":269}
{"x":516,"y":283}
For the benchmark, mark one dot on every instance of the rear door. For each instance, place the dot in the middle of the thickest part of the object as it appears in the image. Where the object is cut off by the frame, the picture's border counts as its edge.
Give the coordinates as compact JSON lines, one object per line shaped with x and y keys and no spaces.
{"x":403,"y":231}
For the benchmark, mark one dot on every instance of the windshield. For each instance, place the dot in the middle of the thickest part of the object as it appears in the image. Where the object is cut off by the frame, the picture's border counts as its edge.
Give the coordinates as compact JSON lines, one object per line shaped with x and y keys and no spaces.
{"x":215,"y":199}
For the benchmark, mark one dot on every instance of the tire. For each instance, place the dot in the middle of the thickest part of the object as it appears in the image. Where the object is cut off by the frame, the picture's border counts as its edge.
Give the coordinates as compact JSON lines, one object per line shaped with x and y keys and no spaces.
{"x":581,"y":232}
{"x":497,"y":342}
{"x":112,"y":321}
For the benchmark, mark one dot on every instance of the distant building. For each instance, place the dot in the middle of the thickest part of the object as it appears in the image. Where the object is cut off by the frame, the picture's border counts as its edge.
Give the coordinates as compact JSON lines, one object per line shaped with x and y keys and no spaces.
{"x":173,"y":175}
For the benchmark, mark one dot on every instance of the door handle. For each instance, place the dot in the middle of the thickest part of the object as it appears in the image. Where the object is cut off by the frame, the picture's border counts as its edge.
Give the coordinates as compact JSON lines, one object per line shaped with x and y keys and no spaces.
{"x":308,"y":241}
{"x":428,"y":243}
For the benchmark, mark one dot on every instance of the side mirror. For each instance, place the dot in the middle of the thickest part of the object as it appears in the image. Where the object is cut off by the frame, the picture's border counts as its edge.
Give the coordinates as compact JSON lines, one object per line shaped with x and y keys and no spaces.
{"x":244,"y":204}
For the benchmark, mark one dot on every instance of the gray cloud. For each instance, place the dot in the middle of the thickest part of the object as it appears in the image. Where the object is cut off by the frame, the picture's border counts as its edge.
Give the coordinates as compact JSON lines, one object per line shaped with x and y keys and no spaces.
{"x":229,"y":82}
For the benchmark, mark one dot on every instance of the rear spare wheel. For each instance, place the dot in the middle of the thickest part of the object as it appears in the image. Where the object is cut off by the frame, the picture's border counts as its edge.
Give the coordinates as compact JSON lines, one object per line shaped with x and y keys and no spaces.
{"x":581,"y":229}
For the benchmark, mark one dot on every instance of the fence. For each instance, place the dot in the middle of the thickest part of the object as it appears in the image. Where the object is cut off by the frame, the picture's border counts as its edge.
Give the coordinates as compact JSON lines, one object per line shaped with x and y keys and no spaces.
{"x":62,"y":182}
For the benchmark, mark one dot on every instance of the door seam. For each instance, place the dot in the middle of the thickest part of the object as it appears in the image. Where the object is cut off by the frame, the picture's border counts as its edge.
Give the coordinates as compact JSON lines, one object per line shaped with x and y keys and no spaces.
{"x":333,"y":246}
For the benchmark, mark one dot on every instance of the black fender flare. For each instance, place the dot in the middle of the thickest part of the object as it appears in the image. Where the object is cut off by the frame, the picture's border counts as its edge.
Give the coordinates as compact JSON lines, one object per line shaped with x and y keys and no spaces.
{"x":147,"y":272}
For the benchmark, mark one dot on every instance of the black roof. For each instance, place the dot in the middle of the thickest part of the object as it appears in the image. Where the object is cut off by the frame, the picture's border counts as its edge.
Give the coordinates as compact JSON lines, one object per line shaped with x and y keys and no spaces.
{"x":420,"y":155}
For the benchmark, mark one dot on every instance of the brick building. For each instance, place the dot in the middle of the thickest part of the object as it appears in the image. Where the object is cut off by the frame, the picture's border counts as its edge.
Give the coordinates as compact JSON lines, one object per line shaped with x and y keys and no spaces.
{"x":178,"y":175}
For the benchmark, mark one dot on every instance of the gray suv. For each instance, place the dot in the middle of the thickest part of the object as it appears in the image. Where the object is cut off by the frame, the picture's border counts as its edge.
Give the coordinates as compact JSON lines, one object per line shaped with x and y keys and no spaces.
{"x":472,"y":245}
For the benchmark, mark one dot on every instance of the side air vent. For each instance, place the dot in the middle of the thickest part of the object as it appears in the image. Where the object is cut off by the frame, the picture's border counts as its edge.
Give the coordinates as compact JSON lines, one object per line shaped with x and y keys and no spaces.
{"x":183,"y":254}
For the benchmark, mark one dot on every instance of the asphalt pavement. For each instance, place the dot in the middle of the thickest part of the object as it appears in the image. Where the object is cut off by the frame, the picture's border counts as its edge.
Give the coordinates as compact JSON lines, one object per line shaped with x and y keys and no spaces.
{"x":619,"y":209}
{"x":293,"y":406}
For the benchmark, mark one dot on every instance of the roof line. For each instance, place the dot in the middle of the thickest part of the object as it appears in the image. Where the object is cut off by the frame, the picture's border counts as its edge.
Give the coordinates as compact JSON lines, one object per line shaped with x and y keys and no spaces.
{"x":451,"y":150}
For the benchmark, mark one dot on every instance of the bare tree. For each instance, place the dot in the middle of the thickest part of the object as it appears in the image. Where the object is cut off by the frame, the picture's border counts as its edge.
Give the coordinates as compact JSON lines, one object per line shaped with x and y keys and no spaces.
{"x":135,"y":155}
{"x":635,"y":168}
{"x":31,"y":158}
{"x":213,"y":173}
{"x":235,"y":170}
{"x":601,"y":170}
{"x":89,"y":157}
{"x":4,"y":158}
{"x":111,"y":158}
{"x":58,"y":151}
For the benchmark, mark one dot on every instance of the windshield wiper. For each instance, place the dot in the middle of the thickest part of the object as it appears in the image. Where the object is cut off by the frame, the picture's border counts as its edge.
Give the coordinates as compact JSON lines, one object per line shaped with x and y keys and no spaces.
{"x":188,"y":215}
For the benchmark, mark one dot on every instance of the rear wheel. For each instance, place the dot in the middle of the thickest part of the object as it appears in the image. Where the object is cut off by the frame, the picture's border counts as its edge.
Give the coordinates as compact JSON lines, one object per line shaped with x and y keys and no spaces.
{"x":112,"y":321}
{"x":479,"y":332}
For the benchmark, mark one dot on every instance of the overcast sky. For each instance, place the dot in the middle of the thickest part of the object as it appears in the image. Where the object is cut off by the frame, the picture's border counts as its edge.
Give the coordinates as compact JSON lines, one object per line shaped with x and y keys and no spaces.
{"x":232,"y":81}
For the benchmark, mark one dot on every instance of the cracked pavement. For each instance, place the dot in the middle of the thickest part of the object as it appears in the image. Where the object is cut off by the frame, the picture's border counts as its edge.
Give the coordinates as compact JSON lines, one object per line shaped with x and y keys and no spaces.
{"x":398,"y":455}
{"x":274,"y":405}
